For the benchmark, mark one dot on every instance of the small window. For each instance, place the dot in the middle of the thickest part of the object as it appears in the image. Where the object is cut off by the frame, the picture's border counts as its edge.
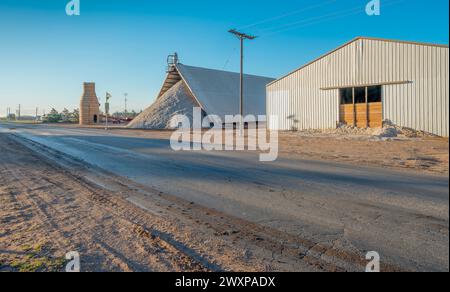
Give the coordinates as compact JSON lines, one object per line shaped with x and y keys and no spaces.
{"x":360,"y":95}
{"x":374,"y":94}
{"x":346,"y":95}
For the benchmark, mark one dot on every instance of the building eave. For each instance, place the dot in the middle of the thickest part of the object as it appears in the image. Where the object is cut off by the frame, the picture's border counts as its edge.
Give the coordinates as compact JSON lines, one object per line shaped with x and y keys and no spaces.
{"x":349,"y":43}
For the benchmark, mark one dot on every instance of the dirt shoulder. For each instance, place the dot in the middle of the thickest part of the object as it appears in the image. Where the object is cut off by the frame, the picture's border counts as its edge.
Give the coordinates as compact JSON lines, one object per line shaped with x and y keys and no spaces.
{"x":426,"y":154}
{"x":47,"y":212}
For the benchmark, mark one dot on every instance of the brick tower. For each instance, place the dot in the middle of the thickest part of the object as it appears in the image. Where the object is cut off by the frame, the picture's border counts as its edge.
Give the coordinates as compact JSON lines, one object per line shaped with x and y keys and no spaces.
{"x":89,"y":106}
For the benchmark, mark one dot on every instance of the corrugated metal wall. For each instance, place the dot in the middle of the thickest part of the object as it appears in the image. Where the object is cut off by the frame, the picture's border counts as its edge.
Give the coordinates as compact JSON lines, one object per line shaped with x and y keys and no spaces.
{"x":300,"y":103}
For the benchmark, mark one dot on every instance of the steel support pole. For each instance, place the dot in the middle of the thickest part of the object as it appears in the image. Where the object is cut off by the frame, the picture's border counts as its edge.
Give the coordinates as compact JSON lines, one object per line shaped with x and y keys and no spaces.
{"x":241,"y":124}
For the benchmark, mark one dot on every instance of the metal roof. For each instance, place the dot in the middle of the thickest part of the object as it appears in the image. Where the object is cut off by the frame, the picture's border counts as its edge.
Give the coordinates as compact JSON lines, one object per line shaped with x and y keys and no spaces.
{"x":352,"y":41}
{"x":217,"y":92}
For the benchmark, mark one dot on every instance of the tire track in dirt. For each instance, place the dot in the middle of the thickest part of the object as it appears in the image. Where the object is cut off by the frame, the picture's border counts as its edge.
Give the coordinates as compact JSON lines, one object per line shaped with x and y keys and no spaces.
{"x":188,"y":242}
{"x":282,"y":250}
{"x":46,"y":198}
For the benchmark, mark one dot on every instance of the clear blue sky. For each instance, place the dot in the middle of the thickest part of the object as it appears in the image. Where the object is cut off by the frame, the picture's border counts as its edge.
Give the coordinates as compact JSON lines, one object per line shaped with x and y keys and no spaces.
{"x":122,"y":45}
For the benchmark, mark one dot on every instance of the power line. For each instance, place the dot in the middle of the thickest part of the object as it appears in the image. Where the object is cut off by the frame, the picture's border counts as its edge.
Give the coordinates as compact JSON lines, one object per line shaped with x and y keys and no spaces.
{"x":313,"y":19}
{"x":229,"y":58}
{"x":321,"y":19}
{"x":287,"y":14}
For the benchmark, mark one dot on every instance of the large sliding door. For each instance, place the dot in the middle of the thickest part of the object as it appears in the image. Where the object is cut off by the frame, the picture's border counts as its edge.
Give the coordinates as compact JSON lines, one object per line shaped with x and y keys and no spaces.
{"x":347,"y":107}
{"x":361,"y":107}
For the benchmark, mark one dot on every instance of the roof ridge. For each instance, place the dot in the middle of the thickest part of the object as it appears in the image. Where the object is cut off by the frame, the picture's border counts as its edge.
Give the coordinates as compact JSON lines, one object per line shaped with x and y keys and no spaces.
{"x":349,"y":43}
{"x":223,"y":71}
{"x":400,"y":41}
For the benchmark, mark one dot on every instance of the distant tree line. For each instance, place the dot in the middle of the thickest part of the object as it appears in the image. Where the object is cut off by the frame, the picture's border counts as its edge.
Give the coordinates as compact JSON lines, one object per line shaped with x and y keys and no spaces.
{"x":125,"y":115}
{"x":62,"y":117}
{"x":73,"y":117}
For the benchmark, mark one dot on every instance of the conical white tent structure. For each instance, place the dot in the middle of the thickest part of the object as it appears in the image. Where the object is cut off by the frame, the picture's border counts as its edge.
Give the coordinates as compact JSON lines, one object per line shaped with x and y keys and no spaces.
{"x":215,"y":92}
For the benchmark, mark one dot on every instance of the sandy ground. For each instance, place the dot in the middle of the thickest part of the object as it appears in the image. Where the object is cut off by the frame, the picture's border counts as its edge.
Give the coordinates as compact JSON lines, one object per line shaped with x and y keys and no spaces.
{"x":428,"y":154}
{"x":46,"y":212}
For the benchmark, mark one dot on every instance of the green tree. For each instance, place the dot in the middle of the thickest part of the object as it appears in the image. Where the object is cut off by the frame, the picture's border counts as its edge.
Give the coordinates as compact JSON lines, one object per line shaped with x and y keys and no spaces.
{"x":65,"y":115}
{"x":53,"y":117}
{"x":75,"y":116}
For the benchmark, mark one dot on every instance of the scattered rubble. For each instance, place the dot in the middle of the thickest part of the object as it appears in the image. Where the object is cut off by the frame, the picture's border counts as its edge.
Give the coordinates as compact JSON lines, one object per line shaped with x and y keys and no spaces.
{"x":389,"y":131}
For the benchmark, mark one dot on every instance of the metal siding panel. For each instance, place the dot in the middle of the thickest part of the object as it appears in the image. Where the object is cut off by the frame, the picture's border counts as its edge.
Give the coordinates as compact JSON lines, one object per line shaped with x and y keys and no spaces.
{"x":422,"y":105}
{"x":408,"y":69}
{"x":446,"y":92}
{"x":415,"y":87}
{"x":434,"y":69}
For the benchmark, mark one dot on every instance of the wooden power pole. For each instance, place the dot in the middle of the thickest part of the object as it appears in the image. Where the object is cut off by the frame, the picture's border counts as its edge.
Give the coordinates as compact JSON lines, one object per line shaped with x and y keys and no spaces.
{"x":241,"y":36}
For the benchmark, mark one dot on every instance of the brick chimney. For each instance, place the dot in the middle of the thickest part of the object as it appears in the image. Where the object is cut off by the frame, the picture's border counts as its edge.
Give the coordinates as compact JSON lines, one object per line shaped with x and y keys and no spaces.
{"x":89,"y":106}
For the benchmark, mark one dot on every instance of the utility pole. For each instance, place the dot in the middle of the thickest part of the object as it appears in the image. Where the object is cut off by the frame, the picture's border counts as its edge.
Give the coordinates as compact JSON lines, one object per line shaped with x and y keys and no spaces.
{"x":108,"y":96}
{"x":36,"y":117}
{"x":19,"y":113}
{"x":126,"y":100}
{"x":242,"y":36}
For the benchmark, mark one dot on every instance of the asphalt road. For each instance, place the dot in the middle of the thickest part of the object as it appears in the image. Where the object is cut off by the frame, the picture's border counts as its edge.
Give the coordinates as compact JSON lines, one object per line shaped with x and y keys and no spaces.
{"x":404,"y":216}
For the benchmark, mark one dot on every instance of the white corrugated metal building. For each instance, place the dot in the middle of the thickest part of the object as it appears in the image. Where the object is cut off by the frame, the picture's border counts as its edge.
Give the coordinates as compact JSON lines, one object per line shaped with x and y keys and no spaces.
{"x":363,"y":83}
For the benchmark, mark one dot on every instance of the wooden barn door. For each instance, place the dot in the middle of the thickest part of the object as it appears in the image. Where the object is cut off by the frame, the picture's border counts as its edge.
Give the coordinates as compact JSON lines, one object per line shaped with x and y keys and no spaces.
{"x":361,"y":107}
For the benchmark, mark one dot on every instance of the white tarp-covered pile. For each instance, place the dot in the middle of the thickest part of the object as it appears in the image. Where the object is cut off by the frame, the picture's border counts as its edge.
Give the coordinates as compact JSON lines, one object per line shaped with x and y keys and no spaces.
{"x":216,"y":92}
{"x":175,"y":101}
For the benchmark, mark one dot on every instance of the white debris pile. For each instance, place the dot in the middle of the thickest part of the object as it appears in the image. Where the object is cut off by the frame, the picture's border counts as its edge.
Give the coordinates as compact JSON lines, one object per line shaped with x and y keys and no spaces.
{"x":176,"y":101}
{"x":389,"y":130}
